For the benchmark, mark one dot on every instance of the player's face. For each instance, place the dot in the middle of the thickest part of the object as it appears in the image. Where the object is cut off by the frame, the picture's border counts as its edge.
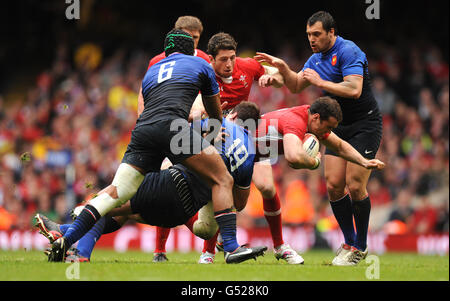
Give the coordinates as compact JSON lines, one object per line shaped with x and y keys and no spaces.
{"x":319,"y":39}
{"x":223,"y":63}
{"x":195,"y":34}
{"x":321,"y":127}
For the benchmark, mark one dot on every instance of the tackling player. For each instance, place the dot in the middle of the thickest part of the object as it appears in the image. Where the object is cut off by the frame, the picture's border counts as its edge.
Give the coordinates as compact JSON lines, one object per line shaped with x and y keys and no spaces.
{"x":340,"y":68}
{"x":194,"y":27}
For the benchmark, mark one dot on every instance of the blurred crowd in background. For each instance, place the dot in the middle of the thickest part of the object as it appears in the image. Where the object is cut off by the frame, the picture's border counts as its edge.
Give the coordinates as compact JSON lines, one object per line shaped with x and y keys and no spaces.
{"x":64,"y":138}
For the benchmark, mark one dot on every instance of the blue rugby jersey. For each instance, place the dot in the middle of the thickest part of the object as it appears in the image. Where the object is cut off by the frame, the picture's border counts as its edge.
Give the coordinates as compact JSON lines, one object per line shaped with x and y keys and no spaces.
{"x":170,"y":87}
{"x":238,"y":154}
{"x":346,"y":58}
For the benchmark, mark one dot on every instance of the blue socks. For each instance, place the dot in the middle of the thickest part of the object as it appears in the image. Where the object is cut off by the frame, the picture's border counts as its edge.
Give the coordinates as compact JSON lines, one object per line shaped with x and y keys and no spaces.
{"x":83,"y":223}
{"x":342,"y":210}
{"x":87,"y":243}
{"x":361,"y":213}
{"x":226,"y":219}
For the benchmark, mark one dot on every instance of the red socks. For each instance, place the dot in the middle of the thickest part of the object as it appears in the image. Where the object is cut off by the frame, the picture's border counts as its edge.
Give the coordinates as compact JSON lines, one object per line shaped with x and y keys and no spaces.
{"x":272,"y":213}
{"x":161,"y":237}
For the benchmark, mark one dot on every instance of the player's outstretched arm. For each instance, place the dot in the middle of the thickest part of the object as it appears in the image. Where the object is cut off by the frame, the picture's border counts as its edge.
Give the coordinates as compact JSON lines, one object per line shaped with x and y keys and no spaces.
{"x":346,"y":151}
{"x":293,"y":81}
{"x":271,"y":77}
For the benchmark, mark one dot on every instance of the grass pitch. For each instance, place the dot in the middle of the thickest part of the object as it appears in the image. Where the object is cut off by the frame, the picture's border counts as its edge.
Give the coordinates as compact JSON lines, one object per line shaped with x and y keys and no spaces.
{"x":138,"y":266}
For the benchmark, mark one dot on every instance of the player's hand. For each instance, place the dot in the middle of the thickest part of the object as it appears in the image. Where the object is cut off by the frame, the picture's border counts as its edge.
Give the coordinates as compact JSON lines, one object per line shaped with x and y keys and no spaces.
{"x":269,"y":59}
{"x":375,"y":164}
{"x":318,"y":159}
{"x":266,"y":80}
{"x":224,"y":105}
{"x":312,"y":77}
{"x":221,"y":136}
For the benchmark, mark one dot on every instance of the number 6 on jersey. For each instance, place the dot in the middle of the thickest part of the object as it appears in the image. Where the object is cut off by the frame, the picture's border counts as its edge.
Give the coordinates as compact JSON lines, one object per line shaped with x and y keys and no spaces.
{"x":165,"y":71}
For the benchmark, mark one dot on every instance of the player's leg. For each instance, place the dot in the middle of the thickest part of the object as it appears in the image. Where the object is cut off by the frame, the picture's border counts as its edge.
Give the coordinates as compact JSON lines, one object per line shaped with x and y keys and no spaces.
{"x":126,"y":181}
{"x":340,"y":201}
{"x":143,"y":154}
{"x":366,"y":140}
{"x":209,"y":165}
{"x":264,"y":182}
{"x":205,"y":230}
{"x":162,"y":234}
{"x":205,"y":226}
{"x":357,"y":178}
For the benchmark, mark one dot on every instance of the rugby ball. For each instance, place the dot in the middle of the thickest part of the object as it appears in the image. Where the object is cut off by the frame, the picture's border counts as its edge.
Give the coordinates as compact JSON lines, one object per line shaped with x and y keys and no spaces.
{"x":311,"y":145}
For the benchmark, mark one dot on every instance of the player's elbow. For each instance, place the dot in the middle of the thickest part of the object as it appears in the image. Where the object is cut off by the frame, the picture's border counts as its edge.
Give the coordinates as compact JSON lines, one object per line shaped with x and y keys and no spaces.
{"x":355,"y":93}
{"x":294,"y":160}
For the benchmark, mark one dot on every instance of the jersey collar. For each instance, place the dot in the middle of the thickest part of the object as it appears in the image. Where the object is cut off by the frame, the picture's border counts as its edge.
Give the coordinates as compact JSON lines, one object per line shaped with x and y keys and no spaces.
{"x":332,"y":49}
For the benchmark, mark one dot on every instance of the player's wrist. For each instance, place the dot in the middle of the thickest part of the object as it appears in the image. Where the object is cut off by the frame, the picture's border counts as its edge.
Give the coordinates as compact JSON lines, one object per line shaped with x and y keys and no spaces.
{"x":316,"y":163}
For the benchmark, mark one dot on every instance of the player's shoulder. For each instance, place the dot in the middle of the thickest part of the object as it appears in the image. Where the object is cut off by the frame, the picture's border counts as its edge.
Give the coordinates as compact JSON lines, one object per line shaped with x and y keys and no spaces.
{"x":202,"y":54}
{"x":249,"y":66}
{"x":349,"y":46}
{"x":156,"y":59}
{"x":247,"y":63}
{"x":190,"y":60}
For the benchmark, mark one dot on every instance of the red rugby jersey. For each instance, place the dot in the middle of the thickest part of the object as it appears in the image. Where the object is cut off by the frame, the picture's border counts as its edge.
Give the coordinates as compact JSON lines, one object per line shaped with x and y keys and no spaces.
{"x":245,"y":72}
{"x":162,"y":55}
{"x":274,"y":125}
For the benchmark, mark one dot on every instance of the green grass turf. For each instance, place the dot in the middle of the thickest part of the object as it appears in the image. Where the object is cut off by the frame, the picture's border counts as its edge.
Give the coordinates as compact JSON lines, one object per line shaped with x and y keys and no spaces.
{"x":138,"y":266}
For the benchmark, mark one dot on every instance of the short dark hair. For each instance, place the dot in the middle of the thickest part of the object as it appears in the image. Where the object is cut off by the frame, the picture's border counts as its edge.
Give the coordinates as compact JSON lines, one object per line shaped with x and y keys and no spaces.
{"x":221,"y":41}
{"x":326,"y":107}
{"x":178,"y":40}
{"x":247,"y":110}
{"x":326,"y":19}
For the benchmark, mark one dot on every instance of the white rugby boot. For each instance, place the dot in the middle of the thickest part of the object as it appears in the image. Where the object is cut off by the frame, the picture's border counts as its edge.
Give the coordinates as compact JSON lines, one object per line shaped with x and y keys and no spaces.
{"x":347,"y":255}
{"x":288,"y":254}
{"x":355,"y":256}
{"x":206,"y":258}
{"x":341,"y":254}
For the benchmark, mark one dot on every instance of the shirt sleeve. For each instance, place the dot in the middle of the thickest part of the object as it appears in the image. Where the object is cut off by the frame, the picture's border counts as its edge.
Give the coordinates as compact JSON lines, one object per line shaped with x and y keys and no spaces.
{"x":307,"y":64}
{"x":294,"y":126}
{"x":244,"y":179}
{"x":156,"y":59}
{"x":253,"y":67}
{"x":203,"y":55}
{"x":352,"y":61}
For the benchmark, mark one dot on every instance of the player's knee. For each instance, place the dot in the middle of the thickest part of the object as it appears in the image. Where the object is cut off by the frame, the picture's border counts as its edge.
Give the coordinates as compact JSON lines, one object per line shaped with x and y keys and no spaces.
{"x":357,"y":190}
{"x":267,"y":189}
{"x":127,"y":181}
{"x":335,"y":186}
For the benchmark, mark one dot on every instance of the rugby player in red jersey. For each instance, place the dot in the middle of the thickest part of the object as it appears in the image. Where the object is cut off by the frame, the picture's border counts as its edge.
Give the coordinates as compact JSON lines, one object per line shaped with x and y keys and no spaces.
{"x":281,"y":132}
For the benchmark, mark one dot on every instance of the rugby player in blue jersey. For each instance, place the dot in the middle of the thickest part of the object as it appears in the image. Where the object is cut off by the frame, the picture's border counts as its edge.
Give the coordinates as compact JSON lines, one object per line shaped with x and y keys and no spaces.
{"x":340,"y":69}
{"x":171,"y":197}
{"x":169,"y":88}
